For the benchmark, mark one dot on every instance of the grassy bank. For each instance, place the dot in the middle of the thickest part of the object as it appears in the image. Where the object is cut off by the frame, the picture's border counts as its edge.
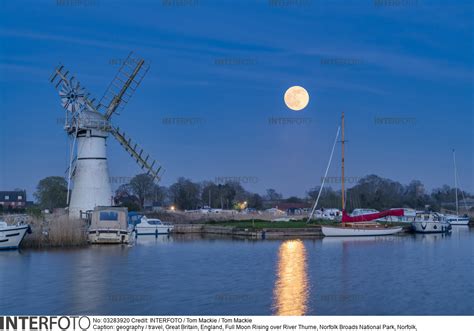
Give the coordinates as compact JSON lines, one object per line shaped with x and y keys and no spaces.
{"x":55,"y":231}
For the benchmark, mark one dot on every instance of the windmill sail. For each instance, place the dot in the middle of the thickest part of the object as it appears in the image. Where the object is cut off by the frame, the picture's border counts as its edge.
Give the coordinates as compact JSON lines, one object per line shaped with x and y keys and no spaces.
{"x":137,"y":153}
{"x":73,"y":96}
{"x":123,"y":86}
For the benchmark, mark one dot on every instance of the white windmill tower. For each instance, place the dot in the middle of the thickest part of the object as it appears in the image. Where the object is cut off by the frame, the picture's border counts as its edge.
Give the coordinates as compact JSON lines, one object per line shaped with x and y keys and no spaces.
{"x":88,"y":125}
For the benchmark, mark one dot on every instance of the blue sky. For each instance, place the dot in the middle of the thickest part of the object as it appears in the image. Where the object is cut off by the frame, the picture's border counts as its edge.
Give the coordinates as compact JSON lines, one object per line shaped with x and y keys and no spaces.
{"x":412,"y":61}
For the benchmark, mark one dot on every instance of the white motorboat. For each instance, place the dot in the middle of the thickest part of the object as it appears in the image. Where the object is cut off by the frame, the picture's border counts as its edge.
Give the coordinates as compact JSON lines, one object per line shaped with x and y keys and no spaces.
{"x":12,"y":235}
{"x":458,"y":220}
{"x":152,"y":226}
{"x":431,"y":223}
{"x":360,"y":229}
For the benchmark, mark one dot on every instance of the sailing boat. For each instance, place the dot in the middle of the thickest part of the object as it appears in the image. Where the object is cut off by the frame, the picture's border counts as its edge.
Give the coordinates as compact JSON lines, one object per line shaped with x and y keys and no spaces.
{"x":456,"y":219}
{"x":358,"y":225}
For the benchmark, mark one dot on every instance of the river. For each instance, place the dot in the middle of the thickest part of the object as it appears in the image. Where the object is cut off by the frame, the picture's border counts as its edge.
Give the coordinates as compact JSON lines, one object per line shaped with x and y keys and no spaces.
{"x":430,"y":274}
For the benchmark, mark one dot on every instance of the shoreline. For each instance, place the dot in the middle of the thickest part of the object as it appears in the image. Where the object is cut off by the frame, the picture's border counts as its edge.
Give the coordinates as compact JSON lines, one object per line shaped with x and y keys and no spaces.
{"x":59,"y":232}
{"x":202,"y":230}
{"x":313,"y":231}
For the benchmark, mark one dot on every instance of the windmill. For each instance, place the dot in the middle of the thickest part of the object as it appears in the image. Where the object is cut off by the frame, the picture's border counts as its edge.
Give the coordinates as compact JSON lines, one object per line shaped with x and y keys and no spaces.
{"x":88,"y":124}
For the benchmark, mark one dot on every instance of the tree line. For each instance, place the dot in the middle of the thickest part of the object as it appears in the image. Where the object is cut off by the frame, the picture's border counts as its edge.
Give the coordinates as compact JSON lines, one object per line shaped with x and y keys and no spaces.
{"x":371,"y":191}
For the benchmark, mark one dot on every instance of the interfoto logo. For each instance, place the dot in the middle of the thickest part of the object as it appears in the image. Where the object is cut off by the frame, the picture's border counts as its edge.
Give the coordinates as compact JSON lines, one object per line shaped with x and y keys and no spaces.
{"x":395,"y":120}
{"x":179,"y":3}
{"x":182,"y":120}
{"x":236,"y":179}
{"x":119,"y":61}
{"x":77,"y":3}
{"x":235,"y":297}
{"x":289,"y":120}
{"x":341,"y":297}
{"x":119,"y":179}
{"x":235,"y":61}
{"x":341,"y":61}
{"x":289,"y":3}
{"x":44,"y":323}
{"x":338,"y":180}
{"x":86,"y":122}
{"x":395,"y":3}
{"x":130,"y":297}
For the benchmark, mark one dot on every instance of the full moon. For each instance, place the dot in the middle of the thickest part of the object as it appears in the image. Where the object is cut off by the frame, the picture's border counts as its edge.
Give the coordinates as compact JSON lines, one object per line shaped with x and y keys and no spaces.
{"x":296,"y":98}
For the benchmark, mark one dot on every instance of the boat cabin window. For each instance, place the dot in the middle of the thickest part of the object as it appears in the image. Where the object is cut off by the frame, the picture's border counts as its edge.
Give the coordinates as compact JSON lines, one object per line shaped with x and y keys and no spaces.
{"x":154,"y":222}
{"x":108,"y":216}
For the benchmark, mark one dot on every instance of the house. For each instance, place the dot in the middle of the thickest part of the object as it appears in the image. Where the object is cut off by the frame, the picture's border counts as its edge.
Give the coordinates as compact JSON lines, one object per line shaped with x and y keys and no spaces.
{"x":294,"y":208}
{"x":13,"y":199}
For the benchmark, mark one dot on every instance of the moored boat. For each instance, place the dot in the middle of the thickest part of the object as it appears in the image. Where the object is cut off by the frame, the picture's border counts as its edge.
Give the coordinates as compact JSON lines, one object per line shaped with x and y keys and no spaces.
{"x":11,"y":236}
{"x":458,"y":220}
{"x":152,"y":226}
{"x":431,"y":223}
{"x":109,"y":226}
{"x":360,"y":229}
{"x":359,"y":223}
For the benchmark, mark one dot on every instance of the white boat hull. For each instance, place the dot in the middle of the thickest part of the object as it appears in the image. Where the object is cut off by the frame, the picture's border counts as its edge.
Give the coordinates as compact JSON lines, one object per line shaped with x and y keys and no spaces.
{"x":335,"y":231}
{"x":458,"y":221}
{"x":11,"y":236}
{"x":153,"y":230}
{"x":107,"y":236}
{"x":431,"y":227}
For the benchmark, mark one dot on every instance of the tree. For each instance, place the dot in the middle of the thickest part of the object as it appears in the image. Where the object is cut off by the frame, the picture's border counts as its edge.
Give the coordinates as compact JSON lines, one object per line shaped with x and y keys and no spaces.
{"x":51,"y":192}
{"x":375,"y":192}
{"x":210,"y":194}
{"x":328,"y":199}
{"x":414,"y":195}
{"x":294,"y":199}
{"x":273,"y":195}
{"x":124,"y":197}
{"x":185,"y":194}
{"x":143,"y":187}
{"x":255,"y":201}
{"x":160,"y":195}
{"x":227,"y":194}
{"x":131,"y":205}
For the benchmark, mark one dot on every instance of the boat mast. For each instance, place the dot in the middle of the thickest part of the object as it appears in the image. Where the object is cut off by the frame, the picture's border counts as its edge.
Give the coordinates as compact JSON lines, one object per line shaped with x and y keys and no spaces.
{"x":456,"y":182}
{"x":342,"y":163}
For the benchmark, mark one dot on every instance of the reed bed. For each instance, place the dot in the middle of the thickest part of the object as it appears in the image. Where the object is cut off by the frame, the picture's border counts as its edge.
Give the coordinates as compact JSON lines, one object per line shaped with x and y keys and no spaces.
{"x":55,"y":231}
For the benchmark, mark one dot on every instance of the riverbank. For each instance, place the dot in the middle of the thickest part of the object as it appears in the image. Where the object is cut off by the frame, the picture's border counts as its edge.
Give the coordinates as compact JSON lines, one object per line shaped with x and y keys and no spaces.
{"x":57,"y":231}
{"x":260,"y":229}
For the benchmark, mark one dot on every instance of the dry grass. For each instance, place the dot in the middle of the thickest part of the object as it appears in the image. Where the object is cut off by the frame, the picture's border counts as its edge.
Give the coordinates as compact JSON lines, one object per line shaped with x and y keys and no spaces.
{"x":55,"y":231}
